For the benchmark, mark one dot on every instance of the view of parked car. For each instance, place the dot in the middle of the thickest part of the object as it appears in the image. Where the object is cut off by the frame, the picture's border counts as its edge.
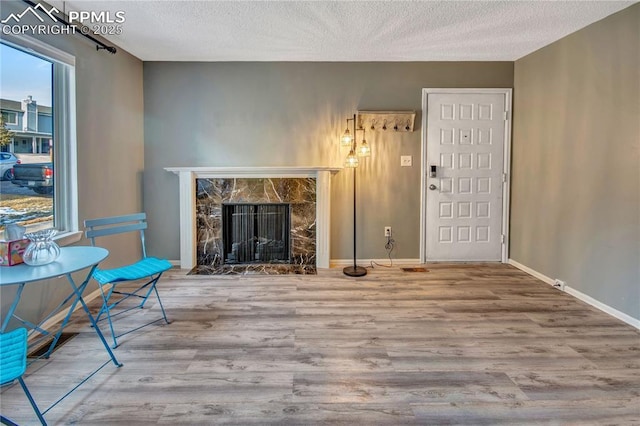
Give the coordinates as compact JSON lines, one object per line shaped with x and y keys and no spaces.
{"x":35,"y":176}
{"x":7,"y":161}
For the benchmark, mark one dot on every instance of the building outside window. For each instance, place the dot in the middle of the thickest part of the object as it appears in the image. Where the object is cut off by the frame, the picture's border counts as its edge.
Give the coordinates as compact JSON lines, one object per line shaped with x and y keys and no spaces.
{"x":9,"y":117}
{"x":30,"y":123}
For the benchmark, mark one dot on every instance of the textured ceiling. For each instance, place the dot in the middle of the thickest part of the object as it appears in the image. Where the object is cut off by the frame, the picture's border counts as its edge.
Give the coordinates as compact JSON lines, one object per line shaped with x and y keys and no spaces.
{"x":344,"y":30}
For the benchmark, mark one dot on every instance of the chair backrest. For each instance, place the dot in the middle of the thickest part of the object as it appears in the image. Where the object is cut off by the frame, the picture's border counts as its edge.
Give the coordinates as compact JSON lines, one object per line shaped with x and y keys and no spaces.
{"x":117,"y":225}
{"x":13,"y":354}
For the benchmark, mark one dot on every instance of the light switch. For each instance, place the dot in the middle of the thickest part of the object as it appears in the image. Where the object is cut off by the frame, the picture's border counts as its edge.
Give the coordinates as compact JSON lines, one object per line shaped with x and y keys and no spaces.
{"x":405,"y":161}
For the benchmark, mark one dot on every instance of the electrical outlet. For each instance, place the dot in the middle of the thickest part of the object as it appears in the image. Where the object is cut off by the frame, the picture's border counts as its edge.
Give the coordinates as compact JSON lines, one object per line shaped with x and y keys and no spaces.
{"x":387,"y":231}
{"x":405,"y":161}
{"x":559,"y":284}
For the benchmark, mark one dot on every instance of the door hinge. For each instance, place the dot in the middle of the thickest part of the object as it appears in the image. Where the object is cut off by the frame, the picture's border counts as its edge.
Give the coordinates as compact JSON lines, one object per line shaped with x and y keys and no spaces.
{"x":502,"y":238}
{"x":506,"y":115}
{"x":504,"y":177}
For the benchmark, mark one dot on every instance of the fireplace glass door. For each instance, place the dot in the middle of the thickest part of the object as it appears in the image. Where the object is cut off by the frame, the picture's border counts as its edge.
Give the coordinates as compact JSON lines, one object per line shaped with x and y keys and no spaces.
{"x":256,"y":233}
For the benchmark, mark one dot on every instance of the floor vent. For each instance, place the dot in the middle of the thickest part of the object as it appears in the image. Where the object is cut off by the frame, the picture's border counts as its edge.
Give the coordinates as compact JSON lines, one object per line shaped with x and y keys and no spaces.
{"x":44,"y":347}
{"x":415,"y":269}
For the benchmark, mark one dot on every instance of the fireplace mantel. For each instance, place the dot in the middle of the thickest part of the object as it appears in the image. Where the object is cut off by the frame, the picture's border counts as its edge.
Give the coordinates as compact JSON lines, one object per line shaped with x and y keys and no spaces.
{"x":187,"y":181}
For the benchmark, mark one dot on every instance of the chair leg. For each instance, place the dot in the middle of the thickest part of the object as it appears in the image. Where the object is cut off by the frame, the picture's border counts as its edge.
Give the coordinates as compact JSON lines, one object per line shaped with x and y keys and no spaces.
{"x":6,"y":421}
{"x":148,"y":288}
{"x":164,"y":315}
{"x":152,"y":286}
{"x":105,"y":309}
{"x":105,"y":299}
{"x":33,"y":403}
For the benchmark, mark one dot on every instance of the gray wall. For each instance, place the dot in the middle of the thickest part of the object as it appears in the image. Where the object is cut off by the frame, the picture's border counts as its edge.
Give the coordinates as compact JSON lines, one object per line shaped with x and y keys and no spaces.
{"x":272,"y":114}
{"x":109,"y":119}
{"x":576,"y":163}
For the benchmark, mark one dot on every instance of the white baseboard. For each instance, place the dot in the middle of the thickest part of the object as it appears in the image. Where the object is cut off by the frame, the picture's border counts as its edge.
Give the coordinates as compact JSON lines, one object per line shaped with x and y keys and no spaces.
{"x":341,"y":263}
{"x":581,"y":296}
{"x":530,"y":271}
{"x":175,"y":263}
{"x":605,"y":308}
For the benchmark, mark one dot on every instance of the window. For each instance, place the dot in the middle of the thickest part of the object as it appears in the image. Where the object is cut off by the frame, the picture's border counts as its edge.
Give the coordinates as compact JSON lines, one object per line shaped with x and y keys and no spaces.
{"x":10,"y":117}
{"x":39,"y":80}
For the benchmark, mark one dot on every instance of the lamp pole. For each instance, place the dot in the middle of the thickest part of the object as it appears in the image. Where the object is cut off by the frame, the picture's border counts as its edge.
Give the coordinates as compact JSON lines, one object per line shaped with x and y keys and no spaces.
{"x":355,"y":270}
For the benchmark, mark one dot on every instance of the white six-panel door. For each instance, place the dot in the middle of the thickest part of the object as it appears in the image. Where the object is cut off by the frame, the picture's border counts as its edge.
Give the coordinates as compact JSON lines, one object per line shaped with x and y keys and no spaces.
{"x":465,"y":174}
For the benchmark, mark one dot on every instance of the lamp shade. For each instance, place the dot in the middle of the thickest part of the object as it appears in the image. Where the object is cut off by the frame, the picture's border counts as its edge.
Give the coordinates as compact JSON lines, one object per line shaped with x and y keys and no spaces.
{"x":352,"y":160}
{"x":346,"y":138}
{"x":364,"y":150}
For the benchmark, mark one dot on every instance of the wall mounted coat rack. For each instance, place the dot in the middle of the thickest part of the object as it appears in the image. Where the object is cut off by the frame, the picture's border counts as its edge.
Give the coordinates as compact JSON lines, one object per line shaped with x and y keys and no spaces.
{"x":387,"y":121}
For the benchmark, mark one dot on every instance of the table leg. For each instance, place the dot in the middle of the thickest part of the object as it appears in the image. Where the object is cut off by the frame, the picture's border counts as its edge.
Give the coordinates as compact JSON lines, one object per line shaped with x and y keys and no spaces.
{"x":78,"y":291}
{"x":72,"y":308}
{"x":12,"y":309}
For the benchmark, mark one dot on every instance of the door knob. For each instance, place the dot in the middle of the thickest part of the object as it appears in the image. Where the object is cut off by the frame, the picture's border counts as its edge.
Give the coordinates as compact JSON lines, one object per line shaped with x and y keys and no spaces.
{"x":432,"y":187}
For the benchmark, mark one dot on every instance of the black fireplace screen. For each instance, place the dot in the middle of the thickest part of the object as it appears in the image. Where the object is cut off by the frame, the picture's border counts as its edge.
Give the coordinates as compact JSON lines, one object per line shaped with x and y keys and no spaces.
{"x":256,"y":233}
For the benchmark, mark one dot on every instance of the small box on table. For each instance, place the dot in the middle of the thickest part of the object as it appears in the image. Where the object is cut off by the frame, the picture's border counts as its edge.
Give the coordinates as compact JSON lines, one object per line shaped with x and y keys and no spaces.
{"x":11,"y":251}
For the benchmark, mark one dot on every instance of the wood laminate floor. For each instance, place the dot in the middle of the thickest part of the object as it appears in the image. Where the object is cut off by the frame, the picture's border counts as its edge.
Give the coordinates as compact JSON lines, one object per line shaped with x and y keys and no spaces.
{"x":460,"y":344}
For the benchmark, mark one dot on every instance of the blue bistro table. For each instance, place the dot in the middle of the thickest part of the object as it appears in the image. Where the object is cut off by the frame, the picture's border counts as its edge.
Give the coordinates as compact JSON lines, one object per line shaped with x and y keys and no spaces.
{"x":71,"y":259}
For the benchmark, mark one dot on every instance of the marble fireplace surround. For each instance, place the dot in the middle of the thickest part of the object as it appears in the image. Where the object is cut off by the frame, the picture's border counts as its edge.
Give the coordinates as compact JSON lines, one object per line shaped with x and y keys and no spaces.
{"x":187,"y":183}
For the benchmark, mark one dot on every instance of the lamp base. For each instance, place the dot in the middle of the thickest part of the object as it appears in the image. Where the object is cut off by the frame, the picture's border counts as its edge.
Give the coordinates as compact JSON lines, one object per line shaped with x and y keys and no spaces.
{"x":355,"y":271}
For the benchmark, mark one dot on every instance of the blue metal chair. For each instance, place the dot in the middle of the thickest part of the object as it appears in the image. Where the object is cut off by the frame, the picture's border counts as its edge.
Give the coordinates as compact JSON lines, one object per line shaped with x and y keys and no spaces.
{"x":13,"y":359}
{"x":149,"y":269}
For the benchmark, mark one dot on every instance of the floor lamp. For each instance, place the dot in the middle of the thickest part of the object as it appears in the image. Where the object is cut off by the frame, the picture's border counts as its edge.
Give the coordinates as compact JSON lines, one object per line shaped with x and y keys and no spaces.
{"x":355,"y":151}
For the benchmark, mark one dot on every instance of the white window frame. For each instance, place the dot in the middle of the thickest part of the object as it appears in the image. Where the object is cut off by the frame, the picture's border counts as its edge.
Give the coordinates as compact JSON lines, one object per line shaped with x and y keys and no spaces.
{"x":15,"y":114}
{"x":64,"y":134}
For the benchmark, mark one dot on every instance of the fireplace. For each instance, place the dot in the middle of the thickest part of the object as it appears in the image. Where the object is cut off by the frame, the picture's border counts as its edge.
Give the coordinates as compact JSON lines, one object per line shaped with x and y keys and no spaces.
{"x":256,"y":233}
{"x":204,"y":190}
{"x":255,"y":225}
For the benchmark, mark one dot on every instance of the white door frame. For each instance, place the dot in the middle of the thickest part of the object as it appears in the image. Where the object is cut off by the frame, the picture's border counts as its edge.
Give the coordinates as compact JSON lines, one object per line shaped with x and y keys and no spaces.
{"x":506,"y":168}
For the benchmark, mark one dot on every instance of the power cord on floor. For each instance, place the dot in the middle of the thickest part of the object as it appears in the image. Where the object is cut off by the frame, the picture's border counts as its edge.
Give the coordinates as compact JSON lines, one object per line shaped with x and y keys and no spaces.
{"x":389,"y":246}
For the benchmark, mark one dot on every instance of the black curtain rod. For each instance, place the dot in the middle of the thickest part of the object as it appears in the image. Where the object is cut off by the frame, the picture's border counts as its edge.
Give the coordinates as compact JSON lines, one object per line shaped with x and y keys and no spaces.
{"x":100,"y":45}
